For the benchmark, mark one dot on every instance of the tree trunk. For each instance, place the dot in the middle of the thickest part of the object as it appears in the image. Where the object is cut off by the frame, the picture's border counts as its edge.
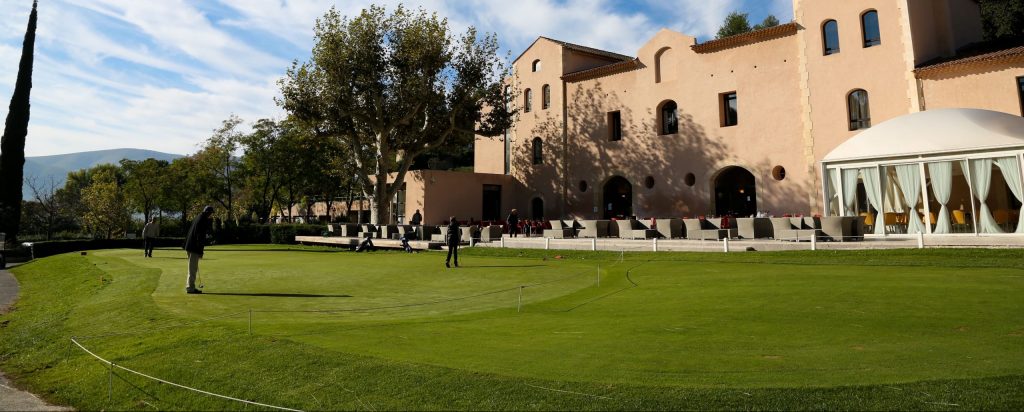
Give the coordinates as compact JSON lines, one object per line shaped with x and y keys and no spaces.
{"x":12,"y":144}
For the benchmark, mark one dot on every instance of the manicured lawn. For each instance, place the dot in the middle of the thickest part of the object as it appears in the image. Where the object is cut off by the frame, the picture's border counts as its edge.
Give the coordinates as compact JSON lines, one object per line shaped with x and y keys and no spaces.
{"x":932,"y":329}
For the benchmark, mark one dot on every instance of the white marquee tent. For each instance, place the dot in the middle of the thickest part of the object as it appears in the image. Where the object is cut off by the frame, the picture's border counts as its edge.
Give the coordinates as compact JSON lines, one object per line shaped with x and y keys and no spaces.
{"x":934,"y":172}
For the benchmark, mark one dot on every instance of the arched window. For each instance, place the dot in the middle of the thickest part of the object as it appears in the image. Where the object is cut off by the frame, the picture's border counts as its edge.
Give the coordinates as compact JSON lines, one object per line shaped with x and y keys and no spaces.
{"x":527,"y":100}
{"x":857,"y":107}
{"x":545,"y":101}
{"x":869,"y":27}
{"x":538,"y":151}
{"x":536,"y":65}
{"x":664,"y":70}
{"x":830,"y":37}
{"x":669,"y":114}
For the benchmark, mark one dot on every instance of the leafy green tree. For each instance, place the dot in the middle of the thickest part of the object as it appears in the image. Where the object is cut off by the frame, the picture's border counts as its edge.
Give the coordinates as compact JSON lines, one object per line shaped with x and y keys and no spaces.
{"x":12,"y":144}
{"x":180,"y":191}
{"x":106,"y":211}
{"x":70,"y":196}
{"x":770,"y":21}
{"x":1002,"y":18}
{"x":391,"y":87}
{"x":143,"y":181}
{"x":46,"y":212}
{"x":218,"y":166}
{"x":735,"y":23}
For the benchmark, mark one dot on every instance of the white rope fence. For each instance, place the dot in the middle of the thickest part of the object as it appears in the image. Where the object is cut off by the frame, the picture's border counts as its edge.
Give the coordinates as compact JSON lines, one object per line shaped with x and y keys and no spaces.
{"x":113,"y":365}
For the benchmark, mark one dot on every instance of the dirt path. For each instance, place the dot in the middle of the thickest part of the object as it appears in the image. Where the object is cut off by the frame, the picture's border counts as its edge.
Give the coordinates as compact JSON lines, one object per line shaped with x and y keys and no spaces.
{"x":12,"y":399}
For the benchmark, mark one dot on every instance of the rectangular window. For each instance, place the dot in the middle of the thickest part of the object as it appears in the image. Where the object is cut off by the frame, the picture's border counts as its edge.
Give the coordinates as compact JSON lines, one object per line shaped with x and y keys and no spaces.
{"x":1020,"y":92}
{"x":729,"y":114}
{"x":614,"y":126}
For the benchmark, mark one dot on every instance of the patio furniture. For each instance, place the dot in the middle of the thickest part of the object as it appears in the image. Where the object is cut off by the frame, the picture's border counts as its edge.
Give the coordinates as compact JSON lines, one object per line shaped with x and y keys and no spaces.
{"x":491,"y":233}
{"x":840,"y":228}
{"x":369,"y":230}
{"x":593,"y":228}
{"x":348,"y":230}
{"x":670,"y":228}
{"x":960,"y":223}
{"x":559,"y":230}
{"x":407,"y":231}
{"x":716,"y":223}
{"x":440,"y":235}
{"x":470,"y":232}
{"x":389,"y":232}
{"x":754,"y":227}
{"x":634,"y":229}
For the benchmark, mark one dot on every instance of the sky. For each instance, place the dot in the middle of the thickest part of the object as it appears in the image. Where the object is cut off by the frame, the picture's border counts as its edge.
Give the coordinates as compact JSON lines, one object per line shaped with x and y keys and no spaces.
{"x":163,"y":74}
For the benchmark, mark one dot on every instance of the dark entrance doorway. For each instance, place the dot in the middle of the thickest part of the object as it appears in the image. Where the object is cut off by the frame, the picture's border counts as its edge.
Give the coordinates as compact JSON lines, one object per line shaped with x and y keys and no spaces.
{"x":618,"y":198}
{"x":492,"y":203}
{"x":537,"y":209}
{"x":735,"y":193}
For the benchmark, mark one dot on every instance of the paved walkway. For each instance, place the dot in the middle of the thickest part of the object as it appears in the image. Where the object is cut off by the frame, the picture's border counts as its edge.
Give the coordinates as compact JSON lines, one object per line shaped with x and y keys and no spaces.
{"x":12,"y":399}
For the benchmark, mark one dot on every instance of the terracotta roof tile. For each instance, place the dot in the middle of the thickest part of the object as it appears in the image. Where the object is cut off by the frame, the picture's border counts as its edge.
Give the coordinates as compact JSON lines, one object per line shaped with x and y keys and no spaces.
{"x":601,"y":71}
{"x":998,"y":55}
{"x":744,"y":39}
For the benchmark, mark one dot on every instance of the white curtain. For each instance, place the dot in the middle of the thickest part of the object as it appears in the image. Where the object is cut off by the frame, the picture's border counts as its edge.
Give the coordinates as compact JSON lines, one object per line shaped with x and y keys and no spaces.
{"x":833,"y":193}
{"x":941,"y":174}
{"x":981,"y":179}
{"x":909,"y":177}
{"x":1011,"y":173}
{"x":850,"y":190}
{"x":873,"y":189}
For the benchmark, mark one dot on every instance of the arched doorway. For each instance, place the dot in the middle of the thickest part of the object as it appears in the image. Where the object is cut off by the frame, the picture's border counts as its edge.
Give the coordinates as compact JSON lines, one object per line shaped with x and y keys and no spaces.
{"x":618,"y":198}
{"x":735,"y":192}
{"x":537,"y":209}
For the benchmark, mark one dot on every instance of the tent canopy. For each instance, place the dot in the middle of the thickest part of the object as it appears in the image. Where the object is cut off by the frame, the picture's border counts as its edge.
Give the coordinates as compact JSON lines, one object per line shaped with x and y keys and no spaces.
{"x":941,"y":131}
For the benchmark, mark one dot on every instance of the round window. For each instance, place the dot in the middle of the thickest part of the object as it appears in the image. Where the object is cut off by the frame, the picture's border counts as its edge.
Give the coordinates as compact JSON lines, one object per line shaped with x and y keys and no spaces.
{"x":649,"y":182}
{"x":583,"y":185}
{"x":690,"y":179}
{"x":779,"y":172}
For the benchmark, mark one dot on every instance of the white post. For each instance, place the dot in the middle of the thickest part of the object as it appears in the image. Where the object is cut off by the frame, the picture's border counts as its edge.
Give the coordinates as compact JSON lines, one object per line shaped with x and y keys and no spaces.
{"x":725,"y":245}
{"x":503,"y":242}
{"x":655,"y":244}
{"x":471,"y":241}
{"x":547,"y":243}
{"x":593,"y":244}
{"x":814,"y":242}
{"x":920,"y":240}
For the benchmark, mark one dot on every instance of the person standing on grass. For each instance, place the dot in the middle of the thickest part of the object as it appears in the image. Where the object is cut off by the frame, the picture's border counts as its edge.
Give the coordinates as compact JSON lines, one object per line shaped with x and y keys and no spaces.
{"x":513,"y":223}
{"x":195,"y":241}
{"x":452,"y":239}
{"x":149,"y":234}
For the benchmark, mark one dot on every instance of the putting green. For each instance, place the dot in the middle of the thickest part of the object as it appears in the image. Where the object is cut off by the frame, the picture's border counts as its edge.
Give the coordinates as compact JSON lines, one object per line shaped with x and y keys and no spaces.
{"x":654,"y":321}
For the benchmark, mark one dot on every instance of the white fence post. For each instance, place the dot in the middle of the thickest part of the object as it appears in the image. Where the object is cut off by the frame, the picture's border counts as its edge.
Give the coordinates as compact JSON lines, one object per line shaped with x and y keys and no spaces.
{"x":503,"y":242}
{"x":593,"y":244}
{"x":725,"y":245}
{"x":547,"y":243}
{"x":920,"y":240}
{"x":655,"y":244}
{"x":814,"y":242}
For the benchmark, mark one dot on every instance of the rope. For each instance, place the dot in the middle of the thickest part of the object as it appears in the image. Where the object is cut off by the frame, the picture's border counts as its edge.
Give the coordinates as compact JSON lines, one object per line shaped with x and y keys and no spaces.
{"x":112,"y":364}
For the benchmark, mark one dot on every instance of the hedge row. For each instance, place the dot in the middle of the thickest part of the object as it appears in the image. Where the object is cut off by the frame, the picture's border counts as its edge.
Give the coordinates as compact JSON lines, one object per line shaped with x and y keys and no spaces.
{"x":278,"y":233}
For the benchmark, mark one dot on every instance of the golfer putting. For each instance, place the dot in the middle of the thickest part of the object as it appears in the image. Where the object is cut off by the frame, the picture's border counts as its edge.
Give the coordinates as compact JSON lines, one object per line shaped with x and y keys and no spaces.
{"x":195,"y":241}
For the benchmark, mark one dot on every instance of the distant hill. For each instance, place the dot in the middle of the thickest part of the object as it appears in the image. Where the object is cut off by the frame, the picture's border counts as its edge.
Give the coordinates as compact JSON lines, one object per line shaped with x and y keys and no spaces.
{"x":58,"y":166}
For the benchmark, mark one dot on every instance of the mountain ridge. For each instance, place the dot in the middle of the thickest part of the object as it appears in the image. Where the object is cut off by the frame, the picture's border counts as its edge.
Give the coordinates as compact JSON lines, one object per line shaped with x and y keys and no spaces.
{"x":58,"y":166}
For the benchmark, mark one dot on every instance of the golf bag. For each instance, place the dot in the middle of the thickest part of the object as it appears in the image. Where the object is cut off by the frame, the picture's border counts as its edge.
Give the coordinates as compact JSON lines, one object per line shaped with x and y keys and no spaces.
{"x":365,"y":245}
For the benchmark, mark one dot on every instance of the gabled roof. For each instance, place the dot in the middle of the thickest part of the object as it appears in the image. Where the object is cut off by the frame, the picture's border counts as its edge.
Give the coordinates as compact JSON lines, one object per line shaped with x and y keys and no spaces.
{"x":601,"y":71}
{"x":744,"y":39}
{"x":579,"y":48}
{"x":989,"y":52}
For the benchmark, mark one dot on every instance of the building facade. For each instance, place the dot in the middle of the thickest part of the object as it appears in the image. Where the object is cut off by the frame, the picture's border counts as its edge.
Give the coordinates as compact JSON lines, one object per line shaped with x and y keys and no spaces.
{"x":738,"y":125}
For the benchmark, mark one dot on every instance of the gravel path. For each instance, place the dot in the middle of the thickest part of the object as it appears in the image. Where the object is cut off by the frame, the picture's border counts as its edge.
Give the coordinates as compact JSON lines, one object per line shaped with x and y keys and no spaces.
{"x":12,"y":399}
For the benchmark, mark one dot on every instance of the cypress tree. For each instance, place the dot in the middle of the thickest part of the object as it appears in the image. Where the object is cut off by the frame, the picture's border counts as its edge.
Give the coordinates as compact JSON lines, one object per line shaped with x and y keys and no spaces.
{"x":12,"y":144}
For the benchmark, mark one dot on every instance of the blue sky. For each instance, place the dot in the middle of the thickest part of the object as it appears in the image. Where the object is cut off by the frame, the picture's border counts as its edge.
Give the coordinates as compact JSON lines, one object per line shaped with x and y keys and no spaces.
{"x":162,"y":74}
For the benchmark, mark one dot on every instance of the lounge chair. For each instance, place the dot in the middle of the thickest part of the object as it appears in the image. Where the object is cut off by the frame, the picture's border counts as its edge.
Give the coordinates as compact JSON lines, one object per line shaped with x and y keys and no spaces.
{"x":839,"y":228}
{"x":369,"y":230}
{"x":593,"y":228}
{"x":559,"y":230}
{"x":440,"y":235}
{"x":670,"y":228}
{"x":634,"y":229}
{"x":491,"y":233}
{"x":753,"y":227}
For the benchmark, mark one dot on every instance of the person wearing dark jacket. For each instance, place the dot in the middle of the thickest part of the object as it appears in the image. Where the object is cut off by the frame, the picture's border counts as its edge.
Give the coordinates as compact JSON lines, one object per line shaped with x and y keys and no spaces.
{"x":195,"y":241}
{"x":513,"y":223}
{"x":452,"y":239}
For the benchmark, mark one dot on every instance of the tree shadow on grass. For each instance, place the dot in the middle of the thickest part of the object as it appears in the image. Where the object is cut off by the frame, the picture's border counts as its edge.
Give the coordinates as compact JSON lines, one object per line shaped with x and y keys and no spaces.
{"x":501,"y":266}
{"x":276,"y":295}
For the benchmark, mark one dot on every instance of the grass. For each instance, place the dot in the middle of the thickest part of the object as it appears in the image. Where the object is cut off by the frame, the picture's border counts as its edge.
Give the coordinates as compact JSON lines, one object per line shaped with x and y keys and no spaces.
{"x":879,"y":330}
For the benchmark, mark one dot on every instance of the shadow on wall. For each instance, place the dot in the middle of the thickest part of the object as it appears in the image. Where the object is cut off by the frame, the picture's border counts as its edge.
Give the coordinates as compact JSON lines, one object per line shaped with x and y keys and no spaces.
{"x":681,"y":165}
